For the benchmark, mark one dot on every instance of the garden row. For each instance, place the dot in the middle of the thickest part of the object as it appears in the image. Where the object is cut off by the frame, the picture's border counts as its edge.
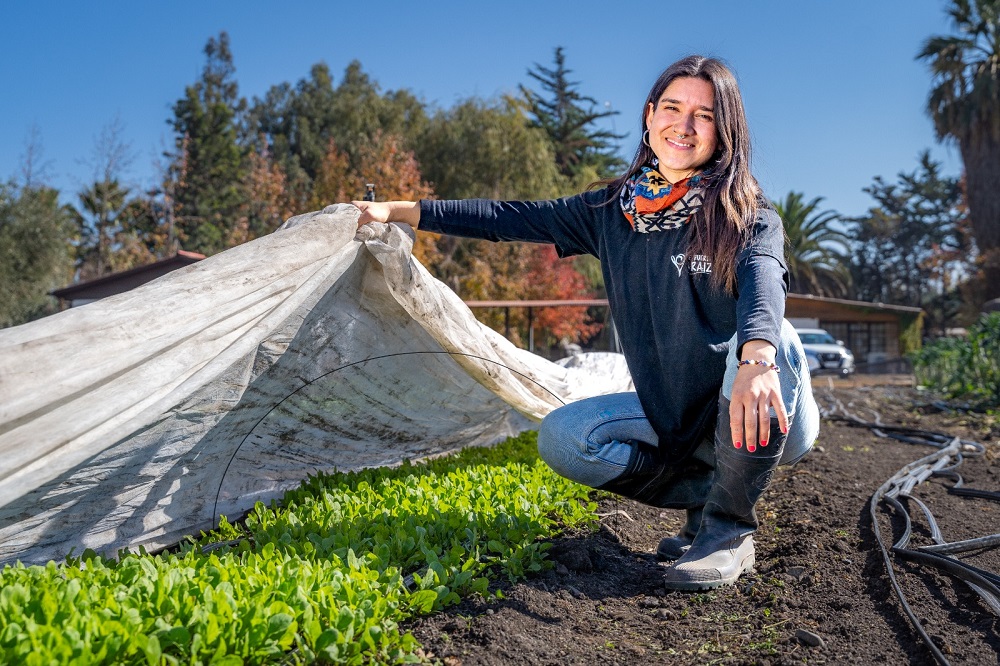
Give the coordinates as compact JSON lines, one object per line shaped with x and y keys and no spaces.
{"x":326,"y":575}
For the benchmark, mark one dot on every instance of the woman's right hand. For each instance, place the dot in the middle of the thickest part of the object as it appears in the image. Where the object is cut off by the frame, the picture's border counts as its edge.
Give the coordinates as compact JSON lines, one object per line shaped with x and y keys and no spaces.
{"x":388,"y":211}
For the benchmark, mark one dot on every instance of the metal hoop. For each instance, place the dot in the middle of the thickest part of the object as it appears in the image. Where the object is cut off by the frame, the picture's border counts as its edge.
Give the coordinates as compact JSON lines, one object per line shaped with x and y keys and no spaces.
{"x":645,"y":139}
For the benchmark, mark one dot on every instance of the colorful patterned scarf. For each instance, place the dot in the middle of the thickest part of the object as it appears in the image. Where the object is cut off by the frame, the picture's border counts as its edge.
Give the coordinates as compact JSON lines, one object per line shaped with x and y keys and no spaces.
{"x":651,"y":203}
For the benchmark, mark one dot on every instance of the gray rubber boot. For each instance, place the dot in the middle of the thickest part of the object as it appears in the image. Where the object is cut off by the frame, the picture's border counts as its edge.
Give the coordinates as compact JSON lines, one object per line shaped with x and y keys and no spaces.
{"x":723,"y":547}
{"x":671,"y":548}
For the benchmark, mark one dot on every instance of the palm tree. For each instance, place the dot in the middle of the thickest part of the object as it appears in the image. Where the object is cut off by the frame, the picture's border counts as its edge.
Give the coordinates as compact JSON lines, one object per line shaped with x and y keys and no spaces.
{"x":965,"y":106}
{"x":816,"y":253}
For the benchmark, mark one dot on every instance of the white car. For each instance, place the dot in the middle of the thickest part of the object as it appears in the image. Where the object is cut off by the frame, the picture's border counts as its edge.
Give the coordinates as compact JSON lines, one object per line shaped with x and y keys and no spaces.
{"x":824,"y":353}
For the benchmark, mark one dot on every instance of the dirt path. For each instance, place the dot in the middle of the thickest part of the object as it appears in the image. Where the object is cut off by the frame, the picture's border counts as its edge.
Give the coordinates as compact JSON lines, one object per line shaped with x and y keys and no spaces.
{"x":819,"y":594}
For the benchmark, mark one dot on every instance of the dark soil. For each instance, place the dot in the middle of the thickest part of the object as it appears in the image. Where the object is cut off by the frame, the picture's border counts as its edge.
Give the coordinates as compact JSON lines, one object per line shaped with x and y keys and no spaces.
{"x":820,"y":593}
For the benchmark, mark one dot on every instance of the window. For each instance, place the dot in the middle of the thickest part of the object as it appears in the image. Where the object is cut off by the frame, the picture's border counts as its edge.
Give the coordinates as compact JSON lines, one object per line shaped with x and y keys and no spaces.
{"x":877,"y":337}
{"x":867,"y":340}
{"x":858,"y":340}
{"x":836,"y":329}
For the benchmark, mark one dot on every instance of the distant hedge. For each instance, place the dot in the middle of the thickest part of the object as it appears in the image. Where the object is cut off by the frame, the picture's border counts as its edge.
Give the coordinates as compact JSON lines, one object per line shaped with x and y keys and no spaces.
{"x":966,"y":368}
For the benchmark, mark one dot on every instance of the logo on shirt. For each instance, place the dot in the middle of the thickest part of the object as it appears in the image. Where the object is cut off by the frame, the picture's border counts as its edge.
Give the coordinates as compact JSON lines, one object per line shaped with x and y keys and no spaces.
{"x":699,"y":264}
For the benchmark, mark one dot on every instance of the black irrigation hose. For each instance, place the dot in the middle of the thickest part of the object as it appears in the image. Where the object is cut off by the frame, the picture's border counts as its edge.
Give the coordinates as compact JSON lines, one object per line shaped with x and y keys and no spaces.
{"x":975,"y":492}
{"x":980,"y":543}
{"x":873,"y":507}
{"x":943,"y":463}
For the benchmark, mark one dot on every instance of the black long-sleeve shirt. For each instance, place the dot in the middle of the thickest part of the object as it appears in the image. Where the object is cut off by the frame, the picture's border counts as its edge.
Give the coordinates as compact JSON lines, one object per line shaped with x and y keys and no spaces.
{"x":674,"y":325}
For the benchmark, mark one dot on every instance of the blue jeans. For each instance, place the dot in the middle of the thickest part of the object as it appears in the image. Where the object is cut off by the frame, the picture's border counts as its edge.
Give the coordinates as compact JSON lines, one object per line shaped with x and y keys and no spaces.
{"x":588,"y":440}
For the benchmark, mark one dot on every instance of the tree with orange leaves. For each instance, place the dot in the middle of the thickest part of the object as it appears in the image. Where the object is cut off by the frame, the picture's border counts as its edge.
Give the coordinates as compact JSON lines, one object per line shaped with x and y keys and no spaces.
{"x":550,"y":277}
{"x":268,"y":203}
{"x":383,"y":162}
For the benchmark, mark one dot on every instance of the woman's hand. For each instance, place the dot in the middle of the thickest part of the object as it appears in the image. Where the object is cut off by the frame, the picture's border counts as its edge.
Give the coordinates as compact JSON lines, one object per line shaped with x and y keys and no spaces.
{"x":755,"y":391}
{"x":388,"y":211}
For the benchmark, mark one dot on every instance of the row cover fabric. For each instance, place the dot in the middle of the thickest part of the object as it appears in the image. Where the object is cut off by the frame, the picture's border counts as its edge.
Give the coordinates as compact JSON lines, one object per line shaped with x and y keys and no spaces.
{"x":143,"y":417}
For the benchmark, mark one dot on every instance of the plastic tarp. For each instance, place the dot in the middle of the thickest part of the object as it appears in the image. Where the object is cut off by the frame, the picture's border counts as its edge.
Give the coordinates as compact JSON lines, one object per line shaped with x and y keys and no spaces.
{"x":141,"y":418}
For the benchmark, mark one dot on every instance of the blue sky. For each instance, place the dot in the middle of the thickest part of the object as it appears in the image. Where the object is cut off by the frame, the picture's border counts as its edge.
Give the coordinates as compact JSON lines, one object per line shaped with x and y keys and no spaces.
{"x":833,"y":93}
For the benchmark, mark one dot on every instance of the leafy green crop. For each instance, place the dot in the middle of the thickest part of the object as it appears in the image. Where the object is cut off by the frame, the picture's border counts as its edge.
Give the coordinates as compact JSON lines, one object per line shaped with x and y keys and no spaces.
{"x":324,"y":576}
{"x":964,"y":367}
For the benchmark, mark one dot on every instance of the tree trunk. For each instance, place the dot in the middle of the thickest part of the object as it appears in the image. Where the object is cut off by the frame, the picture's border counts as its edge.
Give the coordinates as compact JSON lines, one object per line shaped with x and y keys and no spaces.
{"x":989,"y":260}
{"x":981,"y":155}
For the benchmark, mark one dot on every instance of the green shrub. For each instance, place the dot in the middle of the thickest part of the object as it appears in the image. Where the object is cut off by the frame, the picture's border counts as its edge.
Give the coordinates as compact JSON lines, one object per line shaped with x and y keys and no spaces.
{"x":324,"y":576}
{"x":967,"y":368}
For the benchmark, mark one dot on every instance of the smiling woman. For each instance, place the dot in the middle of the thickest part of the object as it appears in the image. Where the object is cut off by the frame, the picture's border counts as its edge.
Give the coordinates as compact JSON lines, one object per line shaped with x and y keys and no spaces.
{"x":694,"y":265}
{"x":681,"y":128}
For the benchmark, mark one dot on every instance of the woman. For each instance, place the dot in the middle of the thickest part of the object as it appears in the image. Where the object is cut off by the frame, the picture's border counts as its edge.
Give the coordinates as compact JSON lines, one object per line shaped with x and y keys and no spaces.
{"x":693,"y":260}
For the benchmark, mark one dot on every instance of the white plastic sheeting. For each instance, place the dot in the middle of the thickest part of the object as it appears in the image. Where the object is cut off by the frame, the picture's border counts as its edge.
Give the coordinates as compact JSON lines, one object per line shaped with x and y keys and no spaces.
{"x":143,"y":417}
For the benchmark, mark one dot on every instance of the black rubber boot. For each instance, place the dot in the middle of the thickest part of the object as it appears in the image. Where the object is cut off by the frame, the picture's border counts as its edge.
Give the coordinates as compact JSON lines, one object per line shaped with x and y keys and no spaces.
{"x":647,"y":479}
{"x":670,"y":548}
{"x":723,"y":547}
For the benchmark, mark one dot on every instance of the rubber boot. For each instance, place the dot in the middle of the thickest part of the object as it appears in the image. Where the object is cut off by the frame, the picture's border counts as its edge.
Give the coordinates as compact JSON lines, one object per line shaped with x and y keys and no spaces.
{"x":723,"y":547}
{"x":670,"y":548}
{"x":647,"y":479}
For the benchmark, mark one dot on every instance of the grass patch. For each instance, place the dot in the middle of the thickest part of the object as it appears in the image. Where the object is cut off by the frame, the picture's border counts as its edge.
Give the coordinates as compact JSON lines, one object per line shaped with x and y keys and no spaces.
{"x":325,"y":575}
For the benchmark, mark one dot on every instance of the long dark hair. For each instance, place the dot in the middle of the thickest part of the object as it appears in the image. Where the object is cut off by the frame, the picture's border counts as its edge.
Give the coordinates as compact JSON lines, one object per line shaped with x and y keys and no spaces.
{"x":733,"y":198}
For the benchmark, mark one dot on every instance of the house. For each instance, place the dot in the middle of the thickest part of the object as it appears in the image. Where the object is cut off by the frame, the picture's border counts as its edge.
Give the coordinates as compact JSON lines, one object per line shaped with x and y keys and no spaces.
{"x":117,"y":283}
{"x":874,"y":332}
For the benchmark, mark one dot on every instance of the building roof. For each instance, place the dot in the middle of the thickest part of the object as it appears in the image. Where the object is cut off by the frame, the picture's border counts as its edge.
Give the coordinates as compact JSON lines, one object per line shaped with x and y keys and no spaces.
{"x":856,"y":304}
{"x":116,"y":283}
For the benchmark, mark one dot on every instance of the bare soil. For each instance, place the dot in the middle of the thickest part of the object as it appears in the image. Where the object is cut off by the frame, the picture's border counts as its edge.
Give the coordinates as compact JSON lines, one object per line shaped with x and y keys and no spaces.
{"x":820,"y":593}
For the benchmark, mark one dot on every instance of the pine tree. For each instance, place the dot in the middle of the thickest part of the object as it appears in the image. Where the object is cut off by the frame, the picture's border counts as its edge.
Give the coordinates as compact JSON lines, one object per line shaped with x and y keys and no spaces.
{"x":568,"y":117}
{"x":209,"y":166}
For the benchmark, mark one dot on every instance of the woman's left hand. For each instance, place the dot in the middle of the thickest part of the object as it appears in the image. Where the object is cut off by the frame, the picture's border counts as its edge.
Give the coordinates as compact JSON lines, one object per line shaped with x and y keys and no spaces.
{"x":755,"y":391}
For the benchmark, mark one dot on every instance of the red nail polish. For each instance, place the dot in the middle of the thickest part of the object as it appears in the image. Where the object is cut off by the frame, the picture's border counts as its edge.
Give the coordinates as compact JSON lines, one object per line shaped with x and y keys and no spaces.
{"x":751,"y":448}
{"x":784,"y":430}
{"x":763,"y":442}
{"x":737,"y":444}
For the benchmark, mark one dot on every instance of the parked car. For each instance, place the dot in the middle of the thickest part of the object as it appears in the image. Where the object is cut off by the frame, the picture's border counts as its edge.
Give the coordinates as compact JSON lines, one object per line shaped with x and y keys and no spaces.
{"x":825,"y":354}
